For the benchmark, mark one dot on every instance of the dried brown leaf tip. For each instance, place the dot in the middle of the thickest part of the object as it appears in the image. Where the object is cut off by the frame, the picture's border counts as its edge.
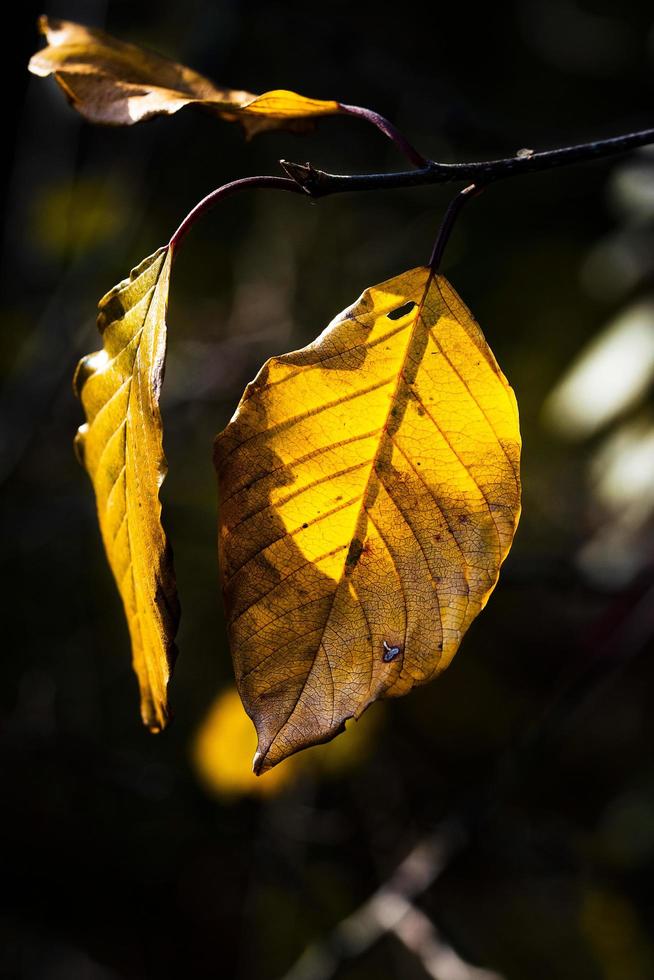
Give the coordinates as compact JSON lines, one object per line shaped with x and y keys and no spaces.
{"x":114,"y":82}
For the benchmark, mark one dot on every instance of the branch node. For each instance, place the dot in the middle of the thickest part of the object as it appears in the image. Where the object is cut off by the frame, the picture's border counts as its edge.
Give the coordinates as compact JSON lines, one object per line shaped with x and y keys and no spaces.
{"x":304,"y":175}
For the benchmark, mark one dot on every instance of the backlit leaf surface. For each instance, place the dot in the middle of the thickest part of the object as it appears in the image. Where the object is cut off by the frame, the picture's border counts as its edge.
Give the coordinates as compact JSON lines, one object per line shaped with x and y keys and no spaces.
{"x":120,"y":446}
{"x":111,"y":81}
{"x":369,"y":494}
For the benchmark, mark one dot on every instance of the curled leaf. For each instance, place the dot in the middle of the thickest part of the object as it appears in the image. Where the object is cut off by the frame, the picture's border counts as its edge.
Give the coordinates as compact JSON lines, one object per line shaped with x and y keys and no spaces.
{"x":120,"y":446}
{"x":111,"y":81}
{"x":369,"y":494}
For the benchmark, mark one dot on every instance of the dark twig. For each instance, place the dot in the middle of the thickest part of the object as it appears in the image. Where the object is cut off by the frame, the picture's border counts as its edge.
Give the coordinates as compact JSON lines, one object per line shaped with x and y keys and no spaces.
{"x":390,"y":909}
{"x":317,"y":183}
{"x":304,"y":178}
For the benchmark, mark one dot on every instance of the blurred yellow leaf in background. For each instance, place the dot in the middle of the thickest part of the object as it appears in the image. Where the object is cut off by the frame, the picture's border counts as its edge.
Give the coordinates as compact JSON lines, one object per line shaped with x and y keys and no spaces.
{"x":223,"y":747}
{"x":78,"y":216}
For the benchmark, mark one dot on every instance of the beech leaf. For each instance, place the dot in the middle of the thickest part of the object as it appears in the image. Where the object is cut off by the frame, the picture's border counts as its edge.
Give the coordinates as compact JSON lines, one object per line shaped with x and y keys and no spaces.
{"x":370,"y":491}
{"x":111,"y":81}
{"x":120,"y":446}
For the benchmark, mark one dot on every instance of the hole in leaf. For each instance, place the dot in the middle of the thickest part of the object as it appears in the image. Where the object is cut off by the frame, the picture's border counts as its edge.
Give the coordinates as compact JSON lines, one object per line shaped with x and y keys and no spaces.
{"x":401,"y":311}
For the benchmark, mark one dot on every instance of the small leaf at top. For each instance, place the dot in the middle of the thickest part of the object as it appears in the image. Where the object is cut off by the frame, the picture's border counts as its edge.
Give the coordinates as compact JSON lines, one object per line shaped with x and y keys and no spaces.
{"x":369,"y":493}
{"x":121,"y":447}
{"x":111,"y":81}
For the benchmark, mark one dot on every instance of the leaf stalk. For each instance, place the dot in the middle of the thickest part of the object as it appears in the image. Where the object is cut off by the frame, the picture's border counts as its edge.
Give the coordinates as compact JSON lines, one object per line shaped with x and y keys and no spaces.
{"x":449,"y":220}
{"x":388,"y":129}
{"x":228,"y":190}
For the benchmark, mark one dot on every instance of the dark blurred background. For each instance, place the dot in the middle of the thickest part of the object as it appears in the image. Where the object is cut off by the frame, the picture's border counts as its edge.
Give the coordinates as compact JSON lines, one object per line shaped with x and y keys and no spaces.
{"x":125,"y":855}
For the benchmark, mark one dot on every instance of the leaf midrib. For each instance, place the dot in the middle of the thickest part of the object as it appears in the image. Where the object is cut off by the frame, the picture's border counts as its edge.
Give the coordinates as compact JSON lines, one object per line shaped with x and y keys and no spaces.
{"x":362,"y":513}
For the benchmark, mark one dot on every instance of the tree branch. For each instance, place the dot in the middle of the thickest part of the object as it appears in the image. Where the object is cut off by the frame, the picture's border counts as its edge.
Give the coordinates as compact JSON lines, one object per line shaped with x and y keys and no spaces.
{"x":304,"y":178}
{"x":386,"y":908}
{"x":318,"y":183}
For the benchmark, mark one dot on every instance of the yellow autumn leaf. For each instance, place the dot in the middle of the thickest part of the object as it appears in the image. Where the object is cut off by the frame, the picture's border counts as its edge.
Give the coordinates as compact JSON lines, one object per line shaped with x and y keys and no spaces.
{"x":111,"y":81}
{"x":120,"y":446}
{"x":369,"y":494}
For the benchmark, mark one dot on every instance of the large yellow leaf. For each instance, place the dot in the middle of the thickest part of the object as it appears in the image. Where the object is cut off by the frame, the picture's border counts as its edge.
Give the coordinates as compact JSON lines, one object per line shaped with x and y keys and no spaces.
{"x":110,"y":81}
{"x":370,"y":492}
{"x":121,"y":447}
